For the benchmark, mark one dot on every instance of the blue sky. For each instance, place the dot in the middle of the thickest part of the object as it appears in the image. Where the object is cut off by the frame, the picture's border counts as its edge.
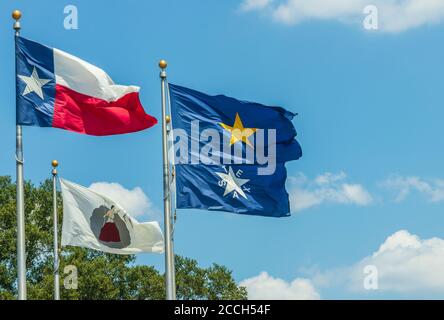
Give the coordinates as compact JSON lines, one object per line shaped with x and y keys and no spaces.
{"x":370,"y":114}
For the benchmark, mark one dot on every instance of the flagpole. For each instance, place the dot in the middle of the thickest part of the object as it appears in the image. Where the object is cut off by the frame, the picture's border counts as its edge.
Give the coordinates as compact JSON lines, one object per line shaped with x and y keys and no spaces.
{"x":20,"y":205}
{"x":169,"y":253}
{"x":55,"y":163}
{"x":170,"y":181}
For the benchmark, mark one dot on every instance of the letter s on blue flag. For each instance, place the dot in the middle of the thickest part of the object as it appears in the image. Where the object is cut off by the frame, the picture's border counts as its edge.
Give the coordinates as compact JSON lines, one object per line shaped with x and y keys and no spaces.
{"x":223,"y":186}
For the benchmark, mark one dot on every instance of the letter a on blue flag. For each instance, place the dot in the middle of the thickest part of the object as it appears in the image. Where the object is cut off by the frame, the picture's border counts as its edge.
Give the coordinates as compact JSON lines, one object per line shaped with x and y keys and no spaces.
{"x":230,"y":155}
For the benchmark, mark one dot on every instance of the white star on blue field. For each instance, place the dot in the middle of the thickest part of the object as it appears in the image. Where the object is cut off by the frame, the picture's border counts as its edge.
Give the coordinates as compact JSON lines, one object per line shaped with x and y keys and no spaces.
{"x":233,"y":183}
{"x":34,"y":83}
{"x":369,"y":188}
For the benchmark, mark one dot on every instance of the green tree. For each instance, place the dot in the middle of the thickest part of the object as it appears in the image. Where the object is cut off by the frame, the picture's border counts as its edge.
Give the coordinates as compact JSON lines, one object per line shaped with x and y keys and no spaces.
{"x":100,"y":275}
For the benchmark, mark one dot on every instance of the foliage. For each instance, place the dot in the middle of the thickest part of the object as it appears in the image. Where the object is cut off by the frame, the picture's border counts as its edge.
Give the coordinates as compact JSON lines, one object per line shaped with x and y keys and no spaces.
{"x":100,"y":275}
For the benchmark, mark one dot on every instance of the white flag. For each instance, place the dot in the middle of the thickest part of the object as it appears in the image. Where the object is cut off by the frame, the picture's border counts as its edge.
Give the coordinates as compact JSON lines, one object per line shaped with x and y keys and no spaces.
{"x":94,"y":221}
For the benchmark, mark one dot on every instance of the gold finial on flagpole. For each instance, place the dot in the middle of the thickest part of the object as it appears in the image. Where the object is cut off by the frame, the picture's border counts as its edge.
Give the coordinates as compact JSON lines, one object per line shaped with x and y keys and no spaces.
{"x":163,"y":64}
{"x":16,"y":15}
{"x":54,"y":164}
{"x":167,"y":119}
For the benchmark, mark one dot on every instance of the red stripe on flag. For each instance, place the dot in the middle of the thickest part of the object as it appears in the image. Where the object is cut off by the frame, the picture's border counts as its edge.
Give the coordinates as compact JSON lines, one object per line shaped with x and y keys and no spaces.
{"x":80,"y":113}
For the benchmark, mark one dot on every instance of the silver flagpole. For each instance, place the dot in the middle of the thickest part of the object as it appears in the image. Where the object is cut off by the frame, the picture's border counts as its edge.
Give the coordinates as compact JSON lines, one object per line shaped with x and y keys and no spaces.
{"x":55,"y":163}
{"x":21,"y":254}
{"x":169,"y":255}
{"x":170,"y":181}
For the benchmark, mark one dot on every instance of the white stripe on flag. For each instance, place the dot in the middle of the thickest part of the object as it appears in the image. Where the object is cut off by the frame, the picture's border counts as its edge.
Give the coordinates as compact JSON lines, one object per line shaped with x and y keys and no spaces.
{"x":85,"y":78}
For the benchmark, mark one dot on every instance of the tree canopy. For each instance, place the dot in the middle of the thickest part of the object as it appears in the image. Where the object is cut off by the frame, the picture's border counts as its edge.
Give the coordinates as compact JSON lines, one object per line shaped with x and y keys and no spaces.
{"x":100,"y":275}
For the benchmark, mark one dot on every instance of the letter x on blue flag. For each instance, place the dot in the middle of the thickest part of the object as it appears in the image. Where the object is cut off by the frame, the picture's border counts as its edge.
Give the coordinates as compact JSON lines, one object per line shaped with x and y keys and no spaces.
{"x":230,"y":155}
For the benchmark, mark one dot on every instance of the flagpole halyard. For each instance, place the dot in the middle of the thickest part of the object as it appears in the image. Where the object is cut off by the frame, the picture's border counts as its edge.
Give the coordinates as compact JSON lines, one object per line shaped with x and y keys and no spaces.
{"x":169,"y":253}
{"x":54,"y":164}
{"x":20,"y":203}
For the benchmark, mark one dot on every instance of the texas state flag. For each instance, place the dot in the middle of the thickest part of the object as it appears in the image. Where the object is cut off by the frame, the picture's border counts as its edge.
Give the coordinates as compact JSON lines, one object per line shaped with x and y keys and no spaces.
{"x":56,"y":89}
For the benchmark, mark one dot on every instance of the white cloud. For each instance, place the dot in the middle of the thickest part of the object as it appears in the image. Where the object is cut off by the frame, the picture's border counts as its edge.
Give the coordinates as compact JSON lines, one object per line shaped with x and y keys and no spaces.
{"x":134,"y":201}
{"x":265,"y":287}
{"x":405,"y":263}
{"x":432,"y":189}
{"x":394,"y":15}
{"x":326,"y":188}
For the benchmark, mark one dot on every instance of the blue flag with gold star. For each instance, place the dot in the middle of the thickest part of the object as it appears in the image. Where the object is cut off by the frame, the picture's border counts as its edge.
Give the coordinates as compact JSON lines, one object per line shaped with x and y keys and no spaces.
{"x":230,"y":154}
